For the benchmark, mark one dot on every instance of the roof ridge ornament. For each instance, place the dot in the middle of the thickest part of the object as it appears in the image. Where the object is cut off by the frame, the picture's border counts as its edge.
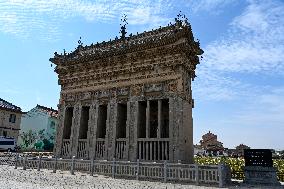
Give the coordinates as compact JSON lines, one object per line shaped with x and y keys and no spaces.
{"x":123,"y":26}
{"x":181,"y":20}
{"x":80,"y":42}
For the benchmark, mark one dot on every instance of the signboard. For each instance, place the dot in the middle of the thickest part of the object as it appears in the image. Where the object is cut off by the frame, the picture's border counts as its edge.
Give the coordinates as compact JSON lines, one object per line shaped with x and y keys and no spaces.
{"x":258,"y":157}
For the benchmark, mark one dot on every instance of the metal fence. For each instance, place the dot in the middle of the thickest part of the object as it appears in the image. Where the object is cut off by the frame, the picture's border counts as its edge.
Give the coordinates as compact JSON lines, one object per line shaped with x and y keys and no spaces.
{"x":175,"y":172}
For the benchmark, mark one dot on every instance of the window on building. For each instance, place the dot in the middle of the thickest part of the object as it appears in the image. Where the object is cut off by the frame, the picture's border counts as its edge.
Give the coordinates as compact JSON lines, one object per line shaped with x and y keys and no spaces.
{"x":83,"y":130}
{"x":6,"y":143}
{"x":102,"y":118}
{"x":121,"y":120}
{"x":141,"y":131}
{"x":68,"y":122}
{"x":12,"y":118}
{"x":5,"y":133}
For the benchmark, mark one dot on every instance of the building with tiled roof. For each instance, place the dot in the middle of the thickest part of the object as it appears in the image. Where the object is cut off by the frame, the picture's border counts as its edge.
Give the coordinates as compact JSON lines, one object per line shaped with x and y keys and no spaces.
{"x":10,"y":119}
{"x":129,"y":95}
{"x":210,"y":142}
{"x":4,"y":105}
{"x":50,"y":111}
{"x":240,"y":149}
{"x":41,"y":121}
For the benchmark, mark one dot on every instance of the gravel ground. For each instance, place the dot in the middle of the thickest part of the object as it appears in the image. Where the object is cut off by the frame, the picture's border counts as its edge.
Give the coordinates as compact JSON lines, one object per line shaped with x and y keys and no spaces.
{"x":11,"y":178}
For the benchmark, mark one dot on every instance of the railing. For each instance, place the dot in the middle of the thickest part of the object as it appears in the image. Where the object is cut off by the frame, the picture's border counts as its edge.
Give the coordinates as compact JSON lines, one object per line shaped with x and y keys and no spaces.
{"x":103,"y":167}
{"x":207,"y":174}
{"x":82,"y":149}
{"x":199,"y":174}
{"x":125,"y":169}
{"x":190,"y":173}
{"x":66,"y":148}
{"x":100,"y":148}
{"x":153,"y":149}
{"x":6,"y":159}
{"x":120,"y":149}
{"x":83,"y":166}
{"x":182,"y":172}
{"x":153,"y":171}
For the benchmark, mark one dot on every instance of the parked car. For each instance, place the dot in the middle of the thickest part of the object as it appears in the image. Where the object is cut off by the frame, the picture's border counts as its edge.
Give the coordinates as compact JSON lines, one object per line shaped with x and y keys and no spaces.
{"x":7,"y":144}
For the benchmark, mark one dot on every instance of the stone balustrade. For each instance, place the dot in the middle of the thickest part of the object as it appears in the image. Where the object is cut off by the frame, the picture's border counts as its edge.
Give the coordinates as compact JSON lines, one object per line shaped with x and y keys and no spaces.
{"x":100,"y":148}
{"x":160,"y":171}
{"x":82,"y":148}
{"x":66,"y":148}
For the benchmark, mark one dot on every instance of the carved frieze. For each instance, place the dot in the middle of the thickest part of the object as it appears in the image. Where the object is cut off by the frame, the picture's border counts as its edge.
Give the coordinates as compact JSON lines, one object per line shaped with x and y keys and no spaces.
{"x":102,"y":94}
{"x":172,"y":86}
{"x":136,"y":90}
{"x":69,"y":97}
{"x":122,"y":91}
{"x":153,"y":87}
{"x":86,"y":96}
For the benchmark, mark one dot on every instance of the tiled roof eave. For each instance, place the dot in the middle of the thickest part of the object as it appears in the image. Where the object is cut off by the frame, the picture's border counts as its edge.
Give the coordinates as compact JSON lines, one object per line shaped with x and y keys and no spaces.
{"x":11,"y":110}
{"x":119,"y":51}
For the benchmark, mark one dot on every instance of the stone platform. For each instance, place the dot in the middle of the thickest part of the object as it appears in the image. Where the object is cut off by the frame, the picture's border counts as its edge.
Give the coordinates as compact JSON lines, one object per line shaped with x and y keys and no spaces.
{"x":258,"y":175}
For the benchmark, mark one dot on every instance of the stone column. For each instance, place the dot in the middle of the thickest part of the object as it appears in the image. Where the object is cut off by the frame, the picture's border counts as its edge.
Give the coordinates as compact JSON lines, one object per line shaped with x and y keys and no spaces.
{"x":186,"y":133}
{"x":177,"y":133}
{"x":92,"y":128}
{"x":132,"y":121}
{"x":59,"y":130}
{"x":110,"y":129}
{"x":113,"y":125}
{"x":148,"y":119}
{"x":75,"y":129}
{"x":127,"y":131}
{"x":160,"y":116}
{"x":107,"y":133}
{"x":171,"y":132}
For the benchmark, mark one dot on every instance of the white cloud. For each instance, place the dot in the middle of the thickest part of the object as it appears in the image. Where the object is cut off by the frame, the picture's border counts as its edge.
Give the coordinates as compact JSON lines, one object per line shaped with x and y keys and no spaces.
{"x":263,"y":109}
{"x":254,"y":45}
{"x":209,"y":6}
{"x":9,"y":91}
{"x":255,"y":42}
{"x":22,"y":17}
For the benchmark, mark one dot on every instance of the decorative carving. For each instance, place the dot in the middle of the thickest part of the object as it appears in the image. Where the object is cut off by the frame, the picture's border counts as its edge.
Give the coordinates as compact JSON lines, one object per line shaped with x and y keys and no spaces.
{"x":136,"y":90}
{"x":86,"y":96}
{"x":172,"y":86}
{"x":122,"y":91}
{"x":102,"y":94}
{"x":70,"y":97}
{"x":153,"y":87}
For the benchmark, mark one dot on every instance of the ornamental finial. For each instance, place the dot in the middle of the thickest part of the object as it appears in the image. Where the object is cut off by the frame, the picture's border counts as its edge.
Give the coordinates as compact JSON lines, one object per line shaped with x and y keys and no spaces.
{"x":80,"y":42}
{"x":123,"y":26}
{"x":181,"y":19}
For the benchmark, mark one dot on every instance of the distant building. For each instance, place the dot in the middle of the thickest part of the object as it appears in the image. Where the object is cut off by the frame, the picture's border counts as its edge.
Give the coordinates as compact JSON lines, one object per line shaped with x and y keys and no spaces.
{"x":10,"y":119}
{"x":240,"y":149}
{"x":38,"y":124}
{"x":209,"y":142}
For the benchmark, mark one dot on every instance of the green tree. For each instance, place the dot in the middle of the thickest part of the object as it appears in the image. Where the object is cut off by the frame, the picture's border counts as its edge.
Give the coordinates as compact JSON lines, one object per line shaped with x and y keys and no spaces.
{"x":28,"y":138}
{"x":47,"y":145}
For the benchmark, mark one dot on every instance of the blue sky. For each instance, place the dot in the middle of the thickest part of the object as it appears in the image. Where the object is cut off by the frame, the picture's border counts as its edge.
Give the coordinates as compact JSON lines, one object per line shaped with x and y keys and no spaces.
{"x":239,"y":89}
